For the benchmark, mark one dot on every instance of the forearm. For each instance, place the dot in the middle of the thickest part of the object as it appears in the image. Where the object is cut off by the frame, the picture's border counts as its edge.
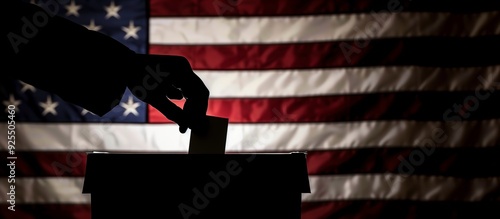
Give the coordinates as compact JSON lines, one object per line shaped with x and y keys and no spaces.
{"x":65,"y":58}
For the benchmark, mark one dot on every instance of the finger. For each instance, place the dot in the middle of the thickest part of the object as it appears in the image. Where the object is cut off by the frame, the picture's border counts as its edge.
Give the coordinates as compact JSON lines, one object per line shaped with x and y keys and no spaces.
{"x":174,"y":93}
{"x":171,"y":111}
{"x":195,"y":114}
{"x":192,"y":86}
{"x":196,"y":93}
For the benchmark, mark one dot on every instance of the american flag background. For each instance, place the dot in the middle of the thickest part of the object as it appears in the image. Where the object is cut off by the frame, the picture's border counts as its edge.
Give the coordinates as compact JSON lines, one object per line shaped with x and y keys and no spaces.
{"x":396,"y":102}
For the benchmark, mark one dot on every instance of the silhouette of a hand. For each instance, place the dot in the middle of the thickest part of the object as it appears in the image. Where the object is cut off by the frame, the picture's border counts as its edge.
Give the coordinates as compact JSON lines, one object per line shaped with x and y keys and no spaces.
{"x":171,"y":77}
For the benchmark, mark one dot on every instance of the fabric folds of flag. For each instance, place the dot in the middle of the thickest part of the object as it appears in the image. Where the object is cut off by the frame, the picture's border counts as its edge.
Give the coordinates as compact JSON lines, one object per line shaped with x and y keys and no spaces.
{"x":395,"y":102}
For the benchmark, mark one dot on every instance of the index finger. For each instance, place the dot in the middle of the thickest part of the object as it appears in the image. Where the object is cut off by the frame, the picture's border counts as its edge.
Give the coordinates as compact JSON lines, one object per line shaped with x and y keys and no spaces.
{"x":195,"y":114}
{"x":171,"y":111}
{"x":196,"y":106}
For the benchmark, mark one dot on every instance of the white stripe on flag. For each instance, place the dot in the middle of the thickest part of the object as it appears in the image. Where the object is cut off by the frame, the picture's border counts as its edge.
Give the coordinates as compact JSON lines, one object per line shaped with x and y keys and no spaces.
{"x":241,"y":30}
{"x":401,"y":187}
{"x":45,"y":190}
{"x":68,"y":190}
{"x":296,"y":83}
{"x":257,"y":137}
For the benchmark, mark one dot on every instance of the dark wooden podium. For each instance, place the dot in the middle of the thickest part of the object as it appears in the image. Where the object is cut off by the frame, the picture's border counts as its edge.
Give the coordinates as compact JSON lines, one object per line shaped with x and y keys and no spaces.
{"x":214,"y":186}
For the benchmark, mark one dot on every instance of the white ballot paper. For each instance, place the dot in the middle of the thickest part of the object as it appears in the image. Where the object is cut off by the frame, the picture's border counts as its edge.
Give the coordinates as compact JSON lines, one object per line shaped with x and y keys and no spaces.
{"x":212,"y":142}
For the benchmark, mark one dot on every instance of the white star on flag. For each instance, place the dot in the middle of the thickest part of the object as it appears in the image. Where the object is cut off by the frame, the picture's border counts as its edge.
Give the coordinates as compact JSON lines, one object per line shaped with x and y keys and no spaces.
{"x":84,"y":112}
{"x":72,"y":9}
{"x":131,"y":30}
{"x":11,"y":101}
{"x":112,"y":10}
{"x":49,"y":106}
{"x":27,"y":87}
{"x":92,"y":26}
{"x":130,"y":107}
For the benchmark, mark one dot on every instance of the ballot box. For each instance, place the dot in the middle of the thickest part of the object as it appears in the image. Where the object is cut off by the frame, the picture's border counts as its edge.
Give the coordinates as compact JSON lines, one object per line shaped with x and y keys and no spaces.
{"x":214,"y":186}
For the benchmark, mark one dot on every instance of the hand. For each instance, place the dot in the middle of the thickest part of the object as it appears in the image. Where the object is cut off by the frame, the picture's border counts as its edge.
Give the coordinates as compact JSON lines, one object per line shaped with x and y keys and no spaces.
{"x":163,"y":77}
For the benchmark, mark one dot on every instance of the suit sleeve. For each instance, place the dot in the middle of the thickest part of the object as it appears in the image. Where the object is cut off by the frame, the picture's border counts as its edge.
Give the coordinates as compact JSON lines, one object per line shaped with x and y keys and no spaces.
{"x":83,"y":67}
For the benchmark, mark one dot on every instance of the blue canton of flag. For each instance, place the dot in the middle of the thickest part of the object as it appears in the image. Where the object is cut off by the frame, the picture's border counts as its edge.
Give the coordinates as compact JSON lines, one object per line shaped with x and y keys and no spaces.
{"x":125,"y":21}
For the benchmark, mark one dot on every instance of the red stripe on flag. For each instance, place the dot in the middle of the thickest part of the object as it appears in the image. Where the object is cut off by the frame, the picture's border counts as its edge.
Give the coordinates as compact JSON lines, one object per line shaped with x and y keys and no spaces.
{"x":48,"y":163}
{"x":46,"y":211}
{"x":424,"y":160}
{"x":375,"y":209}
{"x":382,"y":106}
{"x":247,"y":57}
{"x":194,"y":8}
{"x":425,"y":51}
